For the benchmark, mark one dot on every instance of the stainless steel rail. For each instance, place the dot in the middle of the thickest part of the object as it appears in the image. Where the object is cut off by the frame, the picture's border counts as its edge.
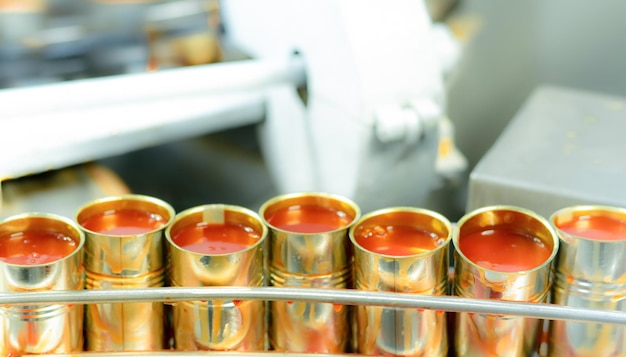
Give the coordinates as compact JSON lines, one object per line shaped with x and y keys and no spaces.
{"x":73,"y":122}
{"x":337,"y":296}
{"x":200,"y":353}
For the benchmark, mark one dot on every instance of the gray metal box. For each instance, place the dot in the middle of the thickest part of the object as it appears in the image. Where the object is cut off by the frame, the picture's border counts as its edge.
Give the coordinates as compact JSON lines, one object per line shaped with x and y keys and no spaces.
{"x":563,"y":147}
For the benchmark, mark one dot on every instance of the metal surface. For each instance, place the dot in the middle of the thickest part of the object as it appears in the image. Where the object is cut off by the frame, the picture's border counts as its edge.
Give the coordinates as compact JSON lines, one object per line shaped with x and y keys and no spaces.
{"x":589,"y":273}
{"x":122,"y":262}
{"x":322,"y":295}
{"x":218,"y":325}
{"x":402,"y":332}
{"x":330,"y":143}
{"x":310,"y":260}
{"x":575,"y":158}
{"x":203,"y":353}
{"x":164,"y":106}
{"x":49,"y":328}
{"x":480,"y":335}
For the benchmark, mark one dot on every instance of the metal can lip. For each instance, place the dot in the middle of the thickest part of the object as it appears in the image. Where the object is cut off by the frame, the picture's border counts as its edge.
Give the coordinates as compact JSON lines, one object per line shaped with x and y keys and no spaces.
{"x":541,"y":221}
{"x":574,"y":212}
{"x":50,"y":217}
{"x":403,"y":209}
{"x":339,"y":202}
{"x":164,"y":207}
{"x":190,"y":212}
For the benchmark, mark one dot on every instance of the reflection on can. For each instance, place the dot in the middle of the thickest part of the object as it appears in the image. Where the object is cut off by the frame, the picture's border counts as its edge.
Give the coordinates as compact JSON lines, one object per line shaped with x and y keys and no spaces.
{"x":504,"y":253}
{"x":218,"y":245}
{"x":40,"y":252}
{"x":401,"y":249}
{"x":590,"y":273}
{"x":124,"y":250}
{"x":309,"y":247}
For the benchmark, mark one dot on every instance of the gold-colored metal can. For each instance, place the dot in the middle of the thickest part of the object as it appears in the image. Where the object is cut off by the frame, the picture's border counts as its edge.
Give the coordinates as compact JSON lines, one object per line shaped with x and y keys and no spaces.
{"x":590,"y":272}
{"x":124,"y":249}
{"x":405,"y":250}
{"x":503,"y":253}
{"x":218,"y":245}
{"x":40,"y":251}
{"x":309,"y":247}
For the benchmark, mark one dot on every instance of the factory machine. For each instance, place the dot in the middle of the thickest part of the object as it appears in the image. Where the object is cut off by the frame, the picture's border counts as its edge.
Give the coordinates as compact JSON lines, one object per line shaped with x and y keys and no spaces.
{"x":344,"y":98}
{"x":237,"y":101}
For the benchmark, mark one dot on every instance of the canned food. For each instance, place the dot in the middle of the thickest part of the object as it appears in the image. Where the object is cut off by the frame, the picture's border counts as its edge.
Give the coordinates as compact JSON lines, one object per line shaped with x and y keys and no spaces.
{"x":40,"y":252}
{"x":123,"y":250}
{"x":590,"y":272}
{"x":218,"y":245}
{"x":309,"y":247}
{"x":503,"y":253}
{"x":401,"y":249}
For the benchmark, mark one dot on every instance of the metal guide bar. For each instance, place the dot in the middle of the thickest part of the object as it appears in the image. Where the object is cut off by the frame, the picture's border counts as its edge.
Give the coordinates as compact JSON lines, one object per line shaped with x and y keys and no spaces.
{"x":336,"y":296}
{"x":77,"y":121}
{"x":200,"y":353}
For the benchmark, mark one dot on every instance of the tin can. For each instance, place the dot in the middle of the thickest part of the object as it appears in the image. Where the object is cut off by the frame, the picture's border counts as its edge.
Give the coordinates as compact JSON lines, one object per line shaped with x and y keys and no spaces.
{"x":38,"y":252}
{"x":503,"y":253}
{"x":124,"y":249}
{"x":218,"y":245}
{"x":309,"y":247}
{"x":405,"y":250}
{"x":590,"y":272}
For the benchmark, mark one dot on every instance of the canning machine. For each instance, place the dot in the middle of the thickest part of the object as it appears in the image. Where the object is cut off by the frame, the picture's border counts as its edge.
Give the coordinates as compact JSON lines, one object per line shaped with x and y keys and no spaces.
{"x":346,"y":97}
{"x":349,"y":98}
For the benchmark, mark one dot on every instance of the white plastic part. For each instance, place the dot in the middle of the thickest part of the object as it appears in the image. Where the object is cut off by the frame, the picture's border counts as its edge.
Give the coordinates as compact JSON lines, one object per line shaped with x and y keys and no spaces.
{"x":370,"y":67}
{"x":395,"y":123}
{"x":374,"y":78}
{"x":58,"y":125}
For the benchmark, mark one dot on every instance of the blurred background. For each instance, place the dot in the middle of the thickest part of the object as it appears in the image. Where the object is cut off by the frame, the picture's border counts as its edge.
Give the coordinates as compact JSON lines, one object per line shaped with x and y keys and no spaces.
{"x":496,"y":54}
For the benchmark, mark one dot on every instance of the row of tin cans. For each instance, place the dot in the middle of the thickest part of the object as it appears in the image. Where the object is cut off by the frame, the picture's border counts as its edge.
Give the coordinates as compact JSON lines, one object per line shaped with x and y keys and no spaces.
{"x":318,"y":240}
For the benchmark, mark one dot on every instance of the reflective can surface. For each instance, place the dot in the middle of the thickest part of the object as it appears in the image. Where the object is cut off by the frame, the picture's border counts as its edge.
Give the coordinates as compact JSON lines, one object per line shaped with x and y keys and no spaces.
{"x":401,"y":249}
{"x":590,"y":272}
{"x":318,"y":255}
{"x":218,"y":325}
{"x":40,"y":329}
{"x":490,"y":335}
{"x":124,"y":260}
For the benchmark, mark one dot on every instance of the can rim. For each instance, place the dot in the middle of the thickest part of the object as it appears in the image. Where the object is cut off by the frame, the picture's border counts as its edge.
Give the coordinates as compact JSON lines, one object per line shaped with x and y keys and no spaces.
{"x":310,"y":194}
{"x":407,"y":209}
{"x":542,"y":220}
{"x":50,"y":216}
{"x":586,"y":208}
{"x":226,"y":207}
{"x":131,"y":197}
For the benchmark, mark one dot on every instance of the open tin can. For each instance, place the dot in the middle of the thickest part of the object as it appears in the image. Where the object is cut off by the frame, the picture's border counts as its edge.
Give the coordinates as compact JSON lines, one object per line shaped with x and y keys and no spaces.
{"x":124,"y":249}
{"x":218,"y":245}
{"x":405,"y":250}
{"x":309,"y":247}
{"x":503,"y":253}
{"x":590,"y":272}
{"x":39,"y":252}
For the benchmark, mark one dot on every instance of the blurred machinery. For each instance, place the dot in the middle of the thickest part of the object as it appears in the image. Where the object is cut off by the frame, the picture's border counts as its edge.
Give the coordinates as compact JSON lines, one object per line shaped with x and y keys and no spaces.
{"x":347,"y":97}
{"x":47,"y":41}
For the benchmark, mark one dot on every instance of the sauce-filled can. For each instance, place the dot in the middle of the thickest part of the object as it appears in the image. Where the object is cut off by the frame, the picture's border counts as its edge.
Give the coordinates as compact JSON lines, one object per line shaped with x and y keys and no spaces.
{"x":40,"y":252}
{"x":124,"y":249}
{"x":405,"y":250}
{"x":218,"y":245}
{"x":590,"y":272}
{"x":309,"y":247}
{"x":503,"y":253}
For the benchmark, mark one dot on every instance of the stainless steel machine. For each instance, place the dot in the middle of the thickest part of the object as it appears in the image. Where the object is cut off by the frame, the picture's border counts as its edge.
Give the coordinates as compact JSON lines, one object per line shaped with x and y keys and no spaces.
{"x":345,"y":97}
{"x":200,"y":101}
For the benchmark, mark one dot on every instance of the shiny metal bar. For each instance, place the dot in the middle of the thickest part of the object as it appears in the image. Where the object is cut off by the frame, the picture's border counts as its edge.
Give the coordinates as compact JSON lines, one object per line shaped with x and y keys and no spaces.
{"x":58,"y":125}
{"x":339,"y":296}
{"x":201,"y":353}
{"x":216,"y":78}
